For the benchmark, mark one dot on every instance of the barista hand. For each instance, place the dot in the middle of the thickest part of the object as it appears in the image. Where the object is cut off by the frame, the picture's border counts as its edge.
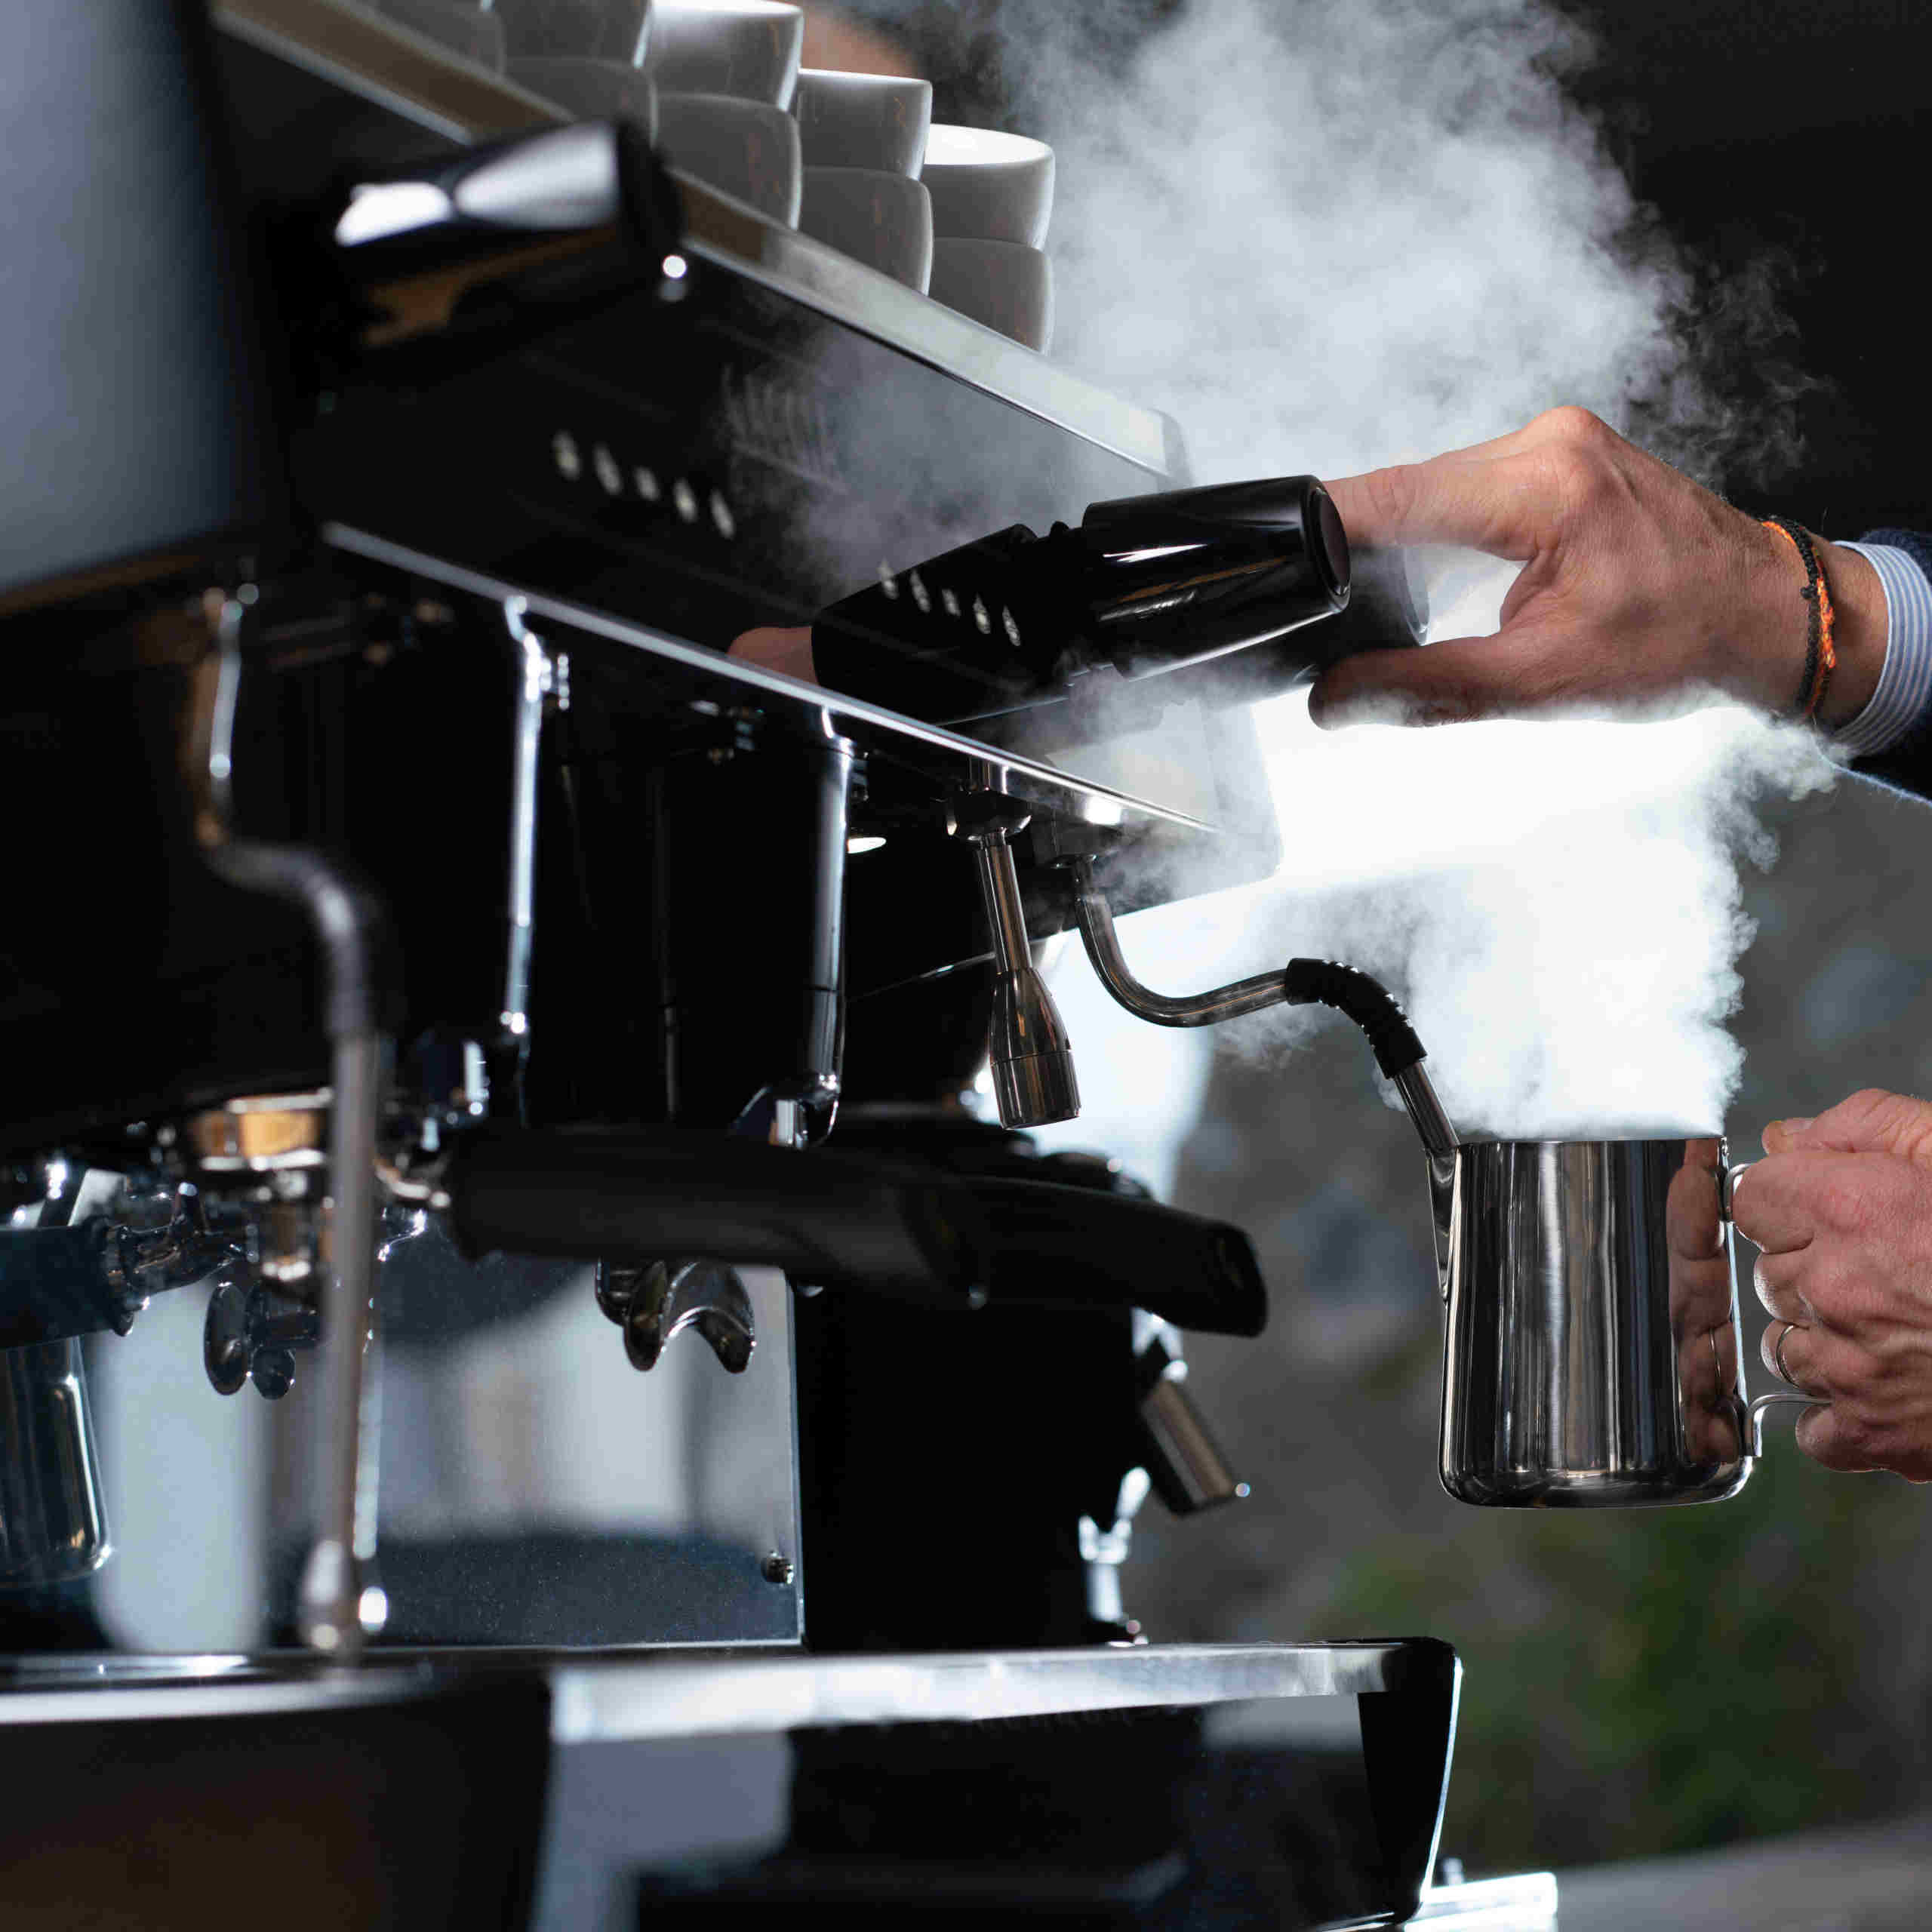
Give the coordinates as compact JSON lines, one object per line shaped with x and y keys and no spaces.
{"x":786,"y":648}
{"x":1842,"y":1208}
{"x":1638,"y":588}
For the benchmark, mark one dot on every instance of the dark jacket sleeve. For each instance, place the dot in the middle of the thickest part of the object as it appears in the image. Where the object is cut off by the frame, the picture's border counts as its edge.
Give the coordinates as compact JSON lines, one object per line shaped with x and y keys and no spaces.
{"x":1907,"y":765}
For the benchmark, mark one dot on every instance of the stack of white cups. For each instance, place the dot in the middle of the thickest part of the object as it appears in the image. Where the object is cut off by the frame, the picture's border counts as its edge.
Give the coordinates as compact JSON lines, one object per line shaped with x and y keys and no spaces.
{"x":584,"y":57}
{"x":725,"y":72}
{"x":864,"y":138}
{"x":854,"y":160}
{"x":457,"y":26}
{"x":991,"y":196}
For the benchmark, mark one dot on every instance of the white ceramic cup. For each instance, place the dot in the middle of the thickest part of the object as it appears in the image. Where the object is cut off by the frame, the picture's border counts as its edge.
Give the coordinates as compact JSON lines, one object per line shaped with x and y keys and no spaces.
{"x":747,"y":48}
{"x":875,"y":121}
{"x":747,"y":147}
{"x":581,"y":30}
{"x":881,"y":219}
{"x":993,"y":187}
{"x":1007,"y":287}
{"x":590,"y":90}
{"x":461,"y":28}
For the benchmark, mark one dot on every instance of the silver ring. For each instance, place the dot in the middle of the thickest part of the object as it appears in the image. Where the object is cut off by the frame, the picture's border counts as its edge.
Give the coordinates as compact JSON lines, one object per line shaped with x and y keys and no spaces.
{"x":1777,"y":1354}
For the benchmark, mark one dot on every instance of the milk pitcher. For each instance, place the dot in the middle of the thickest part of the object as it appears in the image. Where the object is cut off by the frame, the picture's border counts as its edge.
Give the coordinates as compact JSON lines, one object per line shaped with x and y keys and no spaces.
{"x":1591,"y":1345}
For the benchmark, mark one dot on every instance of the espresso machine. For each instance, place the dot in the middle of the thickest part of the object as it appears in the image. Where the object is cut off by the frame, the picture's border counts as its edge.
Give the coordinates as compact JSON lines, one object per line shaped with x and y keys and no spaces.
{"x":451,"y":953}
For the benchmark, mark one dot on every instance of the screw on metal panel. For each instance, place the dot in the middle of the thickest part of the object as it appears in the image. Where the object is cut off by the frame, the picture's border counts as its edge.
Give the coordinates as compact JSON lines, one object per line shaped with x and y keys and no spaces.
{"x":777,"y":1569}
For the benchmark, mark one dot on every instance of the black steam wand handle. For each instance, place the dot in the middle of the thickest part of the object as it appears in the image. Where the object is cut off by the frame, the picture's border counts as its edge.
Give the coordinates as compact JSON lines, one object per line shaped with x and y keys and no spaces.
{"x":1301,"y":982}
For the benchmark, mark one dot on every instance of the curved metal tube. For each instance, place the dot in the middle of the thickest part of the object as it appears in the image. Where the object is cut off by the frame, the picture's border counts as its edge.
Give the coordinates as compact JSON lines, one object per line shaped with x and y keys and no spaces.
{"x":341,"y":1602}
{"x":1207,"y":1009}
{"x":1096,"y":921}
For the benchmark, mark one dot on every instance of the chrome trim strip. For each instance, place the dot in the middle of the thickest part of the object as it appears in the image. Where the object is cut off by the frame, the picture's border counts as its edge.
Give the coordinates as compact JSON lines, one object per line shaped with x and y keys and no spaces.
{"x":680,"y":1692}
{"x":616,"y":1700}
{"x":386,"y":63}
{"x":716,"y":664}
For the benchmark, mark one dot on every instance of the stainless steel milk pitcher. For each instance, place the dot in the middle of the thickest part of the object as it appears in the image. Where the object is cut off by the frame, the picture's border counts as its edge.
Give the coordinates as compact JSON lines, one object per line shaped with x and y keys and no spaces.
{"x":1592,"y":1354}
{"x":1591,"y":1336}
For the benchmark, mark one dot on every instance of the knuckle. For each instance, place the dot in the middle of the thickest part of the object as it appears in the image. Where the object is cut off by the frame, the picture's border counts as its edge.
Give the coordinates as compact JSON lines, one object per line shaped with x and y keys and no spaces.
{"x":1571,"y":423}
{"x":1844,"y":1207}
{"x":1390,"y":493}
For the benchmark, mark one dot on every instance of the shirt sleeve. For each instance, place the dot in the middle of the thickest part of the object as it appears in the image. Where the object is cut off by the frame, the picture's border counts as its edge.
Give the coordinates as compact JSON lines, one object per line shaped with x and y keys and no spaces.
{"x":1901,"y":706}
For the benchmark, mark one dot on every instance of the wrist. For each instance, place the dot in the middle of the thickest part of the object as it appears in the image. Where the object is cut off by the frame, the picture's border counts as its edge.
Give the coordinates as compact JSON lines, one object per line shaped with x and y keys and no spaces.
{"x":1774,"y":625}
{"x":1771,"y":624}
{"x":1860,"y":626}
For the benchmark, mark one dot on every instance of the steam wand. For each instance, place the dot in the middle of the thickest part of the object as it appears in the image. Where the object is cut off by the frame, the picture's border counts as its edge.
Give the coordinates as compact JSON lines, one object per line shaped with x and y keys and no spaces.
{"x":1301,"y":982}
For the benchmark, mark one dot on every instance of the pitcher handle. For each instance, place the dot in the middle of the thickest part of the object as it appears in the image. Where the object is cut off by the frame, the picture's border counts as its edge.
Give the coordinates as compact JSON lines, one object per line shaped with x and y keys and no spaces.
{"x":1753,"y":1415}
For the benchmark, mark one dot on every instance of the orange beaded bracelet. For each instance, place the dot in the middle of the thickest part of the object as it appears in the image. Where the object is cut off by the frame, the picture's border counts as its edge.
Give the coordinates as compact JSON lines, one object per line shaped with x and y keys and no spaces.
{"x":1820,"y":655}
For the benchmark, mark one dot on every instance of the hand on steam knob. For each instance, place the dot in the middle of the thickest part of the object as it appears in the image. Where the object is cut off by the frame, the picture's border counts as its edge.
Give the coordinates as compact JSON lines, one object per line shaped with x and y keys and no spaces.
{"x":1842,"y":1206}
{"x":1638,"y":588}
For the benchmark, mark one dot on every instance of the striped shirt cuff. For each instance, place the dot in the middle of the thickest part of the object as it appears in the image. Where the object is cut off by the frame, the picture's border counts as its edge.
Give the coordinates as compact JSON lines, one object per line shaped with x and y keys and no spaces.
{"x":1904,"y":695}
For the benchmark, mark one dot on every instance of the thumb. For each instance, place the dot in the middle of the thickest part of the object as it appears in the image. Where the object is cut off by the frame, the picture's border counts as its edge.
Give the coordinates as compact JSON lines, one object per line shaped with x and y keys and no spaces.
{"x":1871,"y":1122}
{"x":1524,"y":667}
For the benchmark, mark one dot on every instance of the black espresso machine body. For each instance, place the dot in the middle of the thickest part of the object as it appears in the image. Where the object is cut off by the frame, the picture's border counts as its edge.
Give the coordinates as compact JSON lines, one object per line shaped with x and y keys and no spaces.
{"x":440,"y":930}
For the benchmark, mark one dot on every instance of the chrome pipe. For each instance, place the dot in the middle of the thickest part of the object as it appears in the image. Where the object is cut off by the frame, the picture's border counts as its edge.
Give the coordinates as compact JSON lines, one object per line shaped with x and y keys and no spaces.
{"x":539,"y":680}
{"x":1397,"y":1050}
{"x":1439,"y":1138}
{"x":341,"y":1604}
{"x":1102,"y":943}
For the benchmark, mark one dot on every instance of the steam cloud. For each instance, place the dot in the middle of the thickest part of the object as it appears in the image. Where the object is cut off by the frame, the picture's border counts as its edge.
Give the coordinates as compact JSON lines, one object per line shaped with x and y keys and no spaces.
{"x":1329,"y":237}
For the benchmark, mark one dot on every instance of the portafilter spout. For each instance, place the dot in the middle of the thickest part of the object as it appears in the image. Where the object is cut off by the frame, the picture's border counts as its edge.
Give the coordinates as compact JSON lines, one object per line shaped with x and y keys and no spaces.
{"x":1027,"y":1047}
{"x":1301,"y":982}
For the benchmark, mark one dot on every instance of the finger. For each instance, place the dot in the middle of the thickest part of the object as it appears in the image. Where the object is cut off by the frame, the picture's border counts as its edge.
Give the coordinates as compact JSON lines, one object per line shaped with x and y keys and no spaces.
{"x":1783,"y":1351}
{"x":1781,"y":1136}
{"x":1772,"y":1205}
{"x":1872,"y":1121}
{"x":1528,"y":667}
{"x":787,"y":648}
{"x":1829,"y":1437}
{"x":1778,"y":1279}
{"x":1493,"y":503}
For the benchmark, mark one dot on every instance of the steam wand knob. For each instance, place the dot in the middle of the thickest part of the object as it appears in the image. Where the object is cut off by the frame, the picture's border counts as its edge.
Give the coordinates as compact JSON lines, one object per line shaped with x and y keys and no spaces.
{"x":1031,"y":1057}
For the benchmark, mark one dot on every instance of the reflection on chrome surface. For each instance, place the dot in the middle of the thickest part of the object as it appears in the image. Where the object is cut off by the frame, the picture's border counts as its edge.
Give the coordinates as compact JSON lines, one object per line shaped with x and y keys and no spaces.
{"x":1592,"y":1353}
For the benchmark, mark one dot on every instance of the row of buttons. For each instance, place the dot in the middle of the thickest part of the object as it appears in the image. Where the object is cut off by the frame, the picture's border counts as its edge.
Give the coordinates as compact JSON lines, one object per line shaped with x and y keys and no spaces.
{"x":568,"y":454}
{"x":949,"y":602}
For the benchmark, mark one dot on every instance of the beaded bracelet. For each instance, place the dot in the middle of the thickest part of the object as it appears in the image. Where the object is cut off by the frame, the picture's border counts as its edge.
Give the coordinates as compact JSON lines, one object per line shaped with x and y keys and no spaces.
{"x":1820,"y":656}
